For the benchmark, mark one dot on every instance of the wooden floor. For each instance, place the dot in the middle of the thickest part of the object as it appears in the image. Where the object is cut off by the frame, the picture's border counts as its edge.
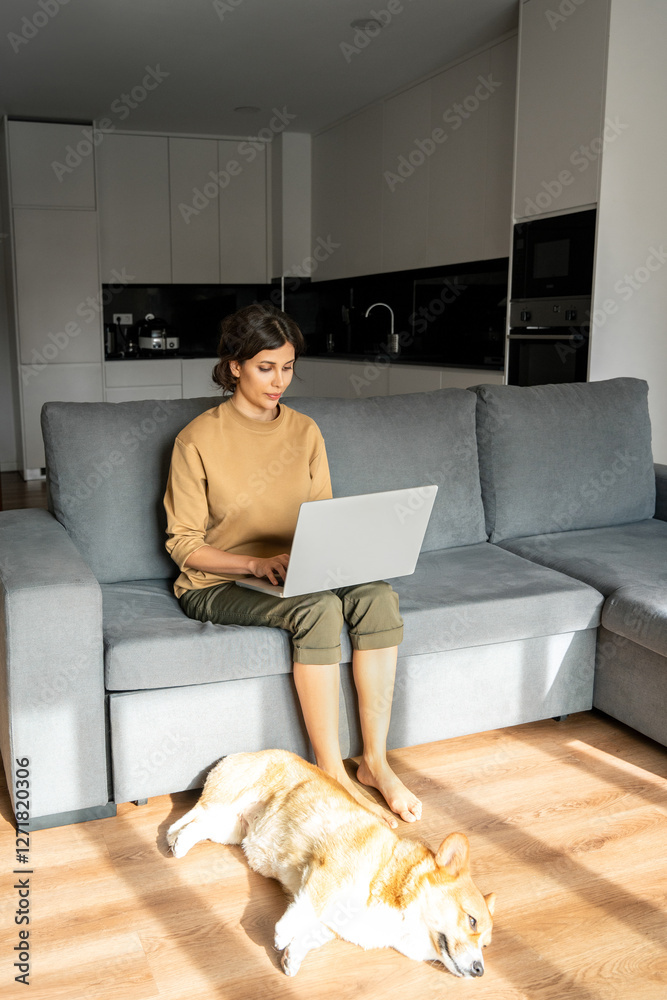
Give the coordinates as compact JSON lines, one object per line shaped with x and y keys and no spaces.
{"x":15,"y":492}
{"x":567,"y":823}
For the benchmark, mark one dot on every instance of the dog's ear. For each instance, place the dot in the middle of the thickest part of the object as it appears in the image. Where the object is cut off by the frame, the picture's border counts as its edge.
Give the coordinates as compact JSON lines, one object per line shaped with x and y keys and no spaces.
{"x":490,"y":901}
{"x":454,"y":854}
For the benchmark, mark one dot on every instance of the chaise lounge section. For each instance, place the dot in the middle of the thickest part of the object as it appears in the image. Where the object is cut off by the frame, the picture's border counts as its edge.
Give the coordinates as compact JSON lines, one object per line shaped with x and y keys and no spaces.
{"x":595,"y":507}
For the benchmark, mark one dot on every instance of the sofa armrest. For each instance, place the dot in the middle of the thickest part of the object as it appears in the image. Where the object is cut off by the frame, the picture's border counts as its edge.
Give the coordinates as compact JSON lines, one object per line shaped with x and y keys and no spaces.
{"x":661,"y":491}
{"x":52,"y":707}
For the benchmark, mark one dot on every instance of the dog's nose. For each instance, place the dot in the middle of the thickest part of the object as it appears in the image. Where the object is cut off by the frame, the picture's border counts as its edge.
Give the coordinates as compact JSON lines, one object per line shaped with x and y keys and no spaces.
{"x":477,"y":968}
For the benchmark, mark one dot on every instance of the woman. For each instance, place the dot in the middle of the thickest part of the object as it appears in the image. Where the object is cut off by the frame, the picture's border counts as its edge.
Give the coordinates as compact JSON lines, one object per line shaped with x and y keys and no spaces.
{"x":238,"y":475}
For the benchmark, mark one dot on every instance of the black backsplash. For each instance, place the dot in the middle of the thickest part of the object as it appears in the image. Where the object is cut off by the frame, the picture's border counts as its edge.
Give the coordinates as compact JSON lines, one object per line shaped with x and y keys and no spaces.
{"x":453,"y":315}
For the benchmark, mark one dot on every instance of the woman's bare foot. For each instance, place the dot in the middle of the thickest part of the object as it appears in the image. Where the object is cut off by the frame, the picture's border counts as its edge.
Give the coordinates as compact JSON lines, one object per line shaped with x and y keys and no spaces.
{"x":350,"y":786}
{"x":399,"y":798}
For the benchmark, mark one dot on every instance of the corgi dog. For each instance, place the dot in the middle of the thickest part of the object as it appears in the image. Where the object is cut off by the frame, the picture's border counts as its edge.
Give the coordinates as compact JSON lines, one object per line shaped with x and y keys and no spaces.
{"x":348,"y":873}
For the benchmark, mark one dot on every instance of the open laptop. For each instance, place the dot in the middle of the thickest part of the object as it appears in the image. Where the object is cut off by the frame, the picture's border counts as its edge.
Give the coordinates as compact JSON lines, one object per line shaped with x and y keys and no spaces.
{"x":350,"y":540}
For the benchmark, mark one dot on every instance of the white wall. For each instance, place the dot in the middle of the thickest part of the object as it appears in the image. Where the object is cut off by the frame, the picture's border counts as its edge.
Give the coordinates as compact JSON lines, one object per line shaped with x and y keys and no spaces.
{"x":629,"y":334}
{"x":9,"y":440}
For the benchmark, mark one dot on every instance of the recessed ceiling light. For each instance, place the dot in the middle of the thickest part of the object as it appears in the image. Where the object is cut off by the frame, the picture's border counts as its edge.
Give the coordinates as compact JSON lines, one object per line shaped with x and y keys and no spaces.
{"x":248,"y":109}
{"x":367,"y":24}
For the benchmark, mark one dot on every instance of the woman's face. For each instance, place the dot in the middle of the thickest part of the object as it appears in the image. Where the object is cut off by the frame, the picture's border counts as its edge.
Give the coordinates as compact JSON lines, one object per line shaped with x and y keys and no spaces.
{"x":262,"y":380}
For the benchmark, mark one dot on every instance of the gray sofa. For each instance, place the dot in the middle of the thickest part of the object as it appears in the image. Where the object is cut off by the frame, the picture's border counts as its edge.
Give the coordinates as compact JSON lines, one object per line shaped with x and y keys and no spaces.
{"x":543,"y":528}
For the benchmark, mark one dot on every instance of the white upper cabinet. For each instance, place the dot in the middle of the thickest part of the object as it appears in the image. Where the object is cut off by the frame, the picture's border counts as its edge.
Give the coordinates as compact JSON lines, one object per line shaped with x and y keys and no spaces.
{"x":182,"y":210}
{"x":363,"y":182}
{"x":460,"y":100}
{"x":195,"y":224}
{"x":329,"y":198}
{"x":561,"y":81}
{"x":500,"y":151}
{"x":405,"y":195}
{"x":242,"y":196}
{"x":133,"y":204}
{"x":347,"y":195}
{"x":423,"y":178}
{"x":51,"y":165}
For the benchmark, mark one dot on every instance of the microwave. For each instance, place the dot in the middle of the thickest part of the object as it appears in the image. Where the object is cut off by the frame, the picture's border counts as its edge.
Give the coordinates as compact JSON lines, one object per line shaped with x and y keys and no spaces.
{"x":554,"y":257}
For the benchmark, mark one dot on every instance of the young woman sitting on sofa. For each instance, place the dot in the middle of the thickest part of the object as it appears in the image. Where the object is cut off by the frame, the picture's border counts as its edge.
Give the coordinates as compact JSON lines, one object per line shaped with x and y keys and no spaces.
{"x":238,"y":475}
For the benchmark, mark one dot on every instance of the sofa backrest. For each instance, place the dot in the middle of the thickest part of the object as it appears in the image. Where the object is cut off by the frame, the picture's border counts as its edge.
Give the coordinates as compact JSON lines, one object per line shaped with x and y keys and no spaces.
{"x":414,"y":439}
{"x":563,"y":457}
{"x":106,"y":473}
{"x":107,"y":467}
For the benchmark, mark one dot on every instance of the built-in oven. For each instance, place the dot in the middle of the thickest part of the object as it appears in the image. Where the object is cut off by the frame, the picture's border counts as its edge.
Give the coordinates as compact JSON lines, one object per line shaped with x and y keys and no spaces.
{"x":548,"y":340}
{"x":553,"y":257}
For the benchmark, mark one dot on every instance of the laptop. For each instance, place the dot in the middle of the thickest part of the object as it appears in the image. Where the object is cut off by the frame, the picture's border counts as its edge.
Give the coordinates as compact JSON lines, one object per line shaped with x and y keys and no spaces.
{"x":350,"y":540}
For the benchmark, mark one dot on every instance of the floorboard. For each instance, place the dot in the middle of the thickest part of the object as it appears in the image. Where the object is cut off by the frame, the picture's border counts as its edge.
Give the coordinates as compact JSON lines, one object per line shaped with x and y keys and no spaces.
{"x":567,"y":823}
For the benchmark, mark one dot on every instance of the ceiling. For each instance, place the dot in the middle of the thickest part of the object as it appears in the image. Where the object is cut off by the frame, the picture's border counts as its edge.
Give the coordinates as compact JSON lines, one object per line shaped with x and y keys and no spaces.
{"x":183,"y":66}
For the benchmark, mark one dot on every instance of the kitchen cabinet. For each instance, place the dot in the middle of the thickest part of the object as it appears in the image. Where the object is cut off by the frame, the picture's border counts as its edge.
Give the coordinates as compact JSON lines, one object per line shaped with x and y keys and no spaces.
{"x":142,"y":379}
{"x":146,"y":371}
{"x":499,"y":158}
{"x":197,"y":377}
{"x":561,"y":88}
{"x":51,"y":165}
{"x":362,"y":208}
{"x":133,"y":205}
{"x":73,"y":383}
{"x":457,"y":167}
{"x":171,"y":378}
{"x":242,"y":204}
{"x":423,"y":178}
{"x":55,"y":306}
{"x":405,"y":197}
{"x":57,"y":286}
{"x":413,"y":378}
{"x":347,"y":195}
{"x":182,"y":210}
{"x":329,"y":195}
{"x":129,"y":394}
{"x":340,"y":378}
{"x":351,"y":379}
{"x":195,"y":223}
{"x":410,"y":378}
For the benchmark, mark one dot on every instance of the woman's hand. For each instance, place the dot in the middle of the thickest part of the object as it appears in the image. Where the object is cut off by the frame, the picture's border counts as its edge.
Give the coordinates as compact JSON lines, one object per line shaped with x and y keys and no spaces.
{"x":273,"y":568}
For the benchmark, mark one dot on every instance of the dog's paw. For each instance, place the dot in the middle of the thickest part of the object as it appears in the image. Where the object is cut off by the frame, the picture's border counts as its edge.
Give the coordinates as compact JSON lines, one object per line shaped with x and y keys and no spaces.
{"x":282,"y":936}
{"x":290,"y":964}
{"x":177,"y":844}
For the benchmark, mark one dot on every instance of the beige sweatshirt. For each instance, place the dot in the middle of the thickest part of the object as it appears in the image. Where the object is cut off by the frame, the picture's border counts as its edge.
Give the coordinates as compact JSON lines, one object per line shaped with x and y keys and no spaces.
{"x":236,"y":483}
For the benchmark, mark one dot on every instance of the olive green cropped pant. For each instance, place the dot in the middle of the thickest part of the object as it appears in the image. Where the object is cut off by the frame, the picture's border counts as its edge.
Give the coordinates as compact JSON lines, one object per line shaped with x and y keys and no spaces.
{"x":313,"y":620}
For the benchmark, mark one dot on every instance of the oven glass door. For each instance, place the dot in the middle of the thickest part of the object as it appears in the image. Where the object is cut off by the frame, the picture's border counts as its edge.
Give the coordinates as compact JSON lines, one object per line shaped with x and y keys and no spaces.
{"x":545,"y":359}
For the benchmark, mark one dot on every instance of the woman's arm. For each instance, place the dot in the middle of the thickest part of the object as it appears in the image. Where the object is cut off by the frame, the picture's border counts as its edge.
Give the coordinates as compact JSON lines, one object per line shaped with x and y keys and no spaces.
{"x":187,"y":516}
{"x":208,"y":559}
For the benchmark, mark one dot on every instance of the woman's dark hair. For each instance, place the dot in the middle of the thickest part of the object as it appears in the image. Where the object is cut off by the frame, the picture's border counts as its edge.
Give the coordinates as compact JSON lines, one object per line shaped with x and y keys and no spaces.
{"x":253,"y":329}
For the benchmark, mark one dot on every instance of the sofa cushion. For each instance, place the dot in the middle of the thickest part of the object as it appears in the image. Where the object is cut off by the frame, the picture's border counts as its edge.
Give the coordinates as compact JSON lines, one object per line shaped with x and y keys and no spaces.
{"x":639,"y":613}
{"x":389,"y":442}
{"x":107,"y":466}
{"x":458,"y":597}
{"x":564,"y":457}
{"x":604,"y":558}
{"x":150,"y":642}
{"x":481,"y":594}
